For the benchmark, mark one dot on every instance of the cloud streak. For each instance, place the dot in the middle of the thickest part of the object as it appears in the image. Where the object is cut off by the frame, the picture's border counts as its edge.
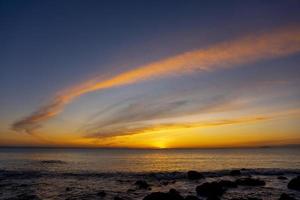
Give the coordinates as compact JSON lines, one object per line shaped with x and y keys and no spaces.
{"x":159,"y":109}
{"x":278,"y":43}
{"x":139,"y":128}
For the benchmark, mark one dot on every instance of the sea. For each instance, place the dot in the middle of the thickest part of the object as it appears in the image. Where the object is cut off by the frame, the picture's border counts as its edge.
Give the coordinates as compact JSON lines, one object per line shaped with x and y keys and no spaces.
{"x":81,"y":173}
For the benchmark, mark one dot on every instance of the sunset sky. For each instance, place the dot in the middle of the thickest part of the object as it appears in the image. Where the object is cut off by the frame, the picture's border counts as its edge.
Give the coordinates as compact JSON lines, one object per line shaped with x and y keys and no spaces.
{"x":149,"y":74}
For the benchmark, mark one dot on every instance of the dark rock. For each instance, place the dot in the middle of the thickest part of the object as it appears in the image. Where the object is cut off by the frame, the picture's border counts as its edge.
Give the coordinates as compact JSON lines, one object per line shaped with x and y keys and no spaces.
{"x":118,"y":198}
{"x":168,"y":182}
{"x":52,"y":162}
{"x":28,"y":197}
{"x":247,"y":198}
{"x":235,"y":172}
{"x":142,"y":184}
{"x":173,"y":191}
{"x":23,"y":185}
{"x":228,"y":184}
{"x":191,"y":197}
{"x":157,"y":196}
{"x":213,"y":198}
{"x":171,"y":195}
{"x":68,"y":189}
{"x":294,"y":184}
{"x":250,"y":182}
{"x":210,"y":189}
{"x":130,"y":190}
{"x":174,"y":194}
{"x":285,"y":196}
{"x":101,"y":194}
{"x":194,"y":175}
{"x":281,"y":177}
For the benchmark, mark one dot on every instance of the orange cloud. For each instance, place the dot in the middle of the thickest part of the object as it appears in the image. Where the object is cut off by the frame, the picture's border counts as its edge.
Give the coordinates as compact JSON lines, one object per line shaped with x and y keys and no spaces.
{"x":278,"y":43}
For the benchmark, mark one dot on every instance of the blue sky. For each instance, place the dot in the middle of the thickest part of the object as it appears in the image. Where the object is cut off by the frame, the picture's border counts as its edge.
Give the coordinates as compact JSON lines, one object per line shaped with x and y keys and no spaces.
{"x":50,"y":46}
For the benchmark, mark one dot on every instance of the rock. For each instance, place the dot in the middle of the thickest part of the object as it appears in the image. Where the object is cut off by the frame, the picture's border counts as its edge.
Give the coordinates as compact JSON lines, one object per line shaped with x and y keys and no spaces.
{"x":250,"y":182}
{"x":171,"y":195}
{"x":52,"y":162}
{"x":210,"y":189}
{"x":68,"y":189}
{"x":281,"y":177}
{"x":294,"y":184}
{"x":173,"y":191}
{"x":213,"y":198}
{"x":130,"y":190}
{"x":157,"y":196}
{"x":168,"y":182}
{"x":194,"y":175}
{"x":285,"y":196}
{"x":142,"y":184}
{"x":247,"y":198}
{"x":191,"y":197}
{"x":101,"y":194}
{"x":174,"y":194}
{"x":228,"y":184}
{"x":118,"y":198}
{"x":28,"y":197}
{"x":235,"y":172}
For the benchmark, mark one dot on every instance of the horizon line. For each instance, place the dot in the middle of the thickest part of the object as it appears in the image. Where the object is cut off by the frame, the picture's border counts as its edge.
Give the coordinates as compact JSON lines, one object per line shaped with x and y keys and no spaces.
{"x":148,"y":148}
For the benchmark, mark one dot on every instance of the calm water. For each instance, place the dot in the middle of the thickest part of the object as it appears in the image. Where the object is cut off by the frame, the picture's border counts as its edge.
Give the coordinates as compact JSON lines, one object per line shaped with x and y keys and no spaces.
{"x":78,"y":174}
{"x":125,"y":160}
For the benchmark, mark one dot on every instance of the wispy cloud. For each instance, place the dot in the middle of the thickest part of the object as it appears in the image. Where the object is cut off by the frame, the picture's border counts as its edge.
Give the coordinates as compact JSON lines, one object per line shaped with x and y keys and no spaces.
{"x":278,"y":43}
{"x":160,"y":108}
{"x":139,"y":128}
{"x":134,"y":129}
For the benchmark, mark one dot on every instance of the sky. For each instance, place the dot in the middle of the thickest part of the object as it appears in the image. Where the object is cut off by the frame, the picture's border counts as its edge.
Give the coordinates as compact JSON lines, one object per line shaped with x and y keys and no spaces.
{"x":149,"y":74}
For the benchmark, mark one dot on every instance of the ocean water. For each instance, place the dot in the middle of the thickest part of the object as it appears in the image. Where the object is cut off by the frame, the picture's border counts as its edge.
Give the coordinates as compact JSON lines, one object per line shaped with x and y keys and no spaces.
{"x":132,"y":160}
{"x":59,"y":173}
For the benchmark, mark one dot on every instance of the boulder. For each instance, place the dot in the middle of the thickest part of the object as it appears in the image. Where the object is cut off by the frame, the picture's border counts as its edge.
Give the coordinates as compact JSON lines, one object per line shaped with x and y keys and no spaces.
{"x":294,"y":184}
{"x":285,"y":196}
{"x":194,"y":175}
{"x":191,"y":197}
{"x":250,"y":182}
{"x":118,"y":198}
{"x":171,"y":195}
{"x":167,"y":182}
{"x":210,"y":189}
{"x":174,"y":194}
{"x":142,"y":184}
{"x":247,"y":198}
{"x":213,"y":198}
{"x":228,"y":184}
{"x":101,"y":194}
{"x":131,"y":190}
{"x":235,"y":172}
{"x":28,"y":197}
{"x":281,"y":177}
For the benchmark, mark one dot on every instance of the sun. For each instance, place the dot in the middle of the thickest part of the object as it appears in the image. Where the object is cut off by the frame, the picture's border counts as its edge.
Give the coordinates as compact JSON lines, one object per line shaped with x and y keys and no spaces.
{"x":160,"y":145}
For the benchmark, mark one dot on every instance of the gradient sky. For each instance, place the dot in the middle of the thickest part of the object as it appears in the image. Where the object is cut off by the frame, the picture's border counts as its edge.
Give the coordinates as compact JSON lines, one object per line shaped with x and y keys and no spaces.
{"x":149,"y":74}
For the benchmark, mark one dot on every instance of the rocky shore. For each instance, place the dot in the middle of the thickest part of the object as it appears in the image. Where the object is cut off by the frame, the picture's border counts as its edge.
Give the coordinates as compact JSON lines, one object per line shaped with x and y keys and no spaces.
{"x":237,"y":184}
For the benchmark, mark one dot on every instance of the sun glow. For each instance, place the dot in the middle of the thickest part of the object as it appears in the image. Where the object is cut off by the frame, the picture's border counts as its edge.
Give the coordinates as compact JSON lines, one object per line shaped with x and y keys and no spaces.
{"x":160,"y":145}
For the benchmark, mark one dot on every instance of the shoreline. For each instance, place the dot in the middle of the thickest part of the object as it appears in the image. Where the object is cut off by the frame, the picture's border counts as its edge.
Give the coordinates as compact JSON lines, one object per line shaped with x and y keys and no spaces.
{"x":43,"y":184}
